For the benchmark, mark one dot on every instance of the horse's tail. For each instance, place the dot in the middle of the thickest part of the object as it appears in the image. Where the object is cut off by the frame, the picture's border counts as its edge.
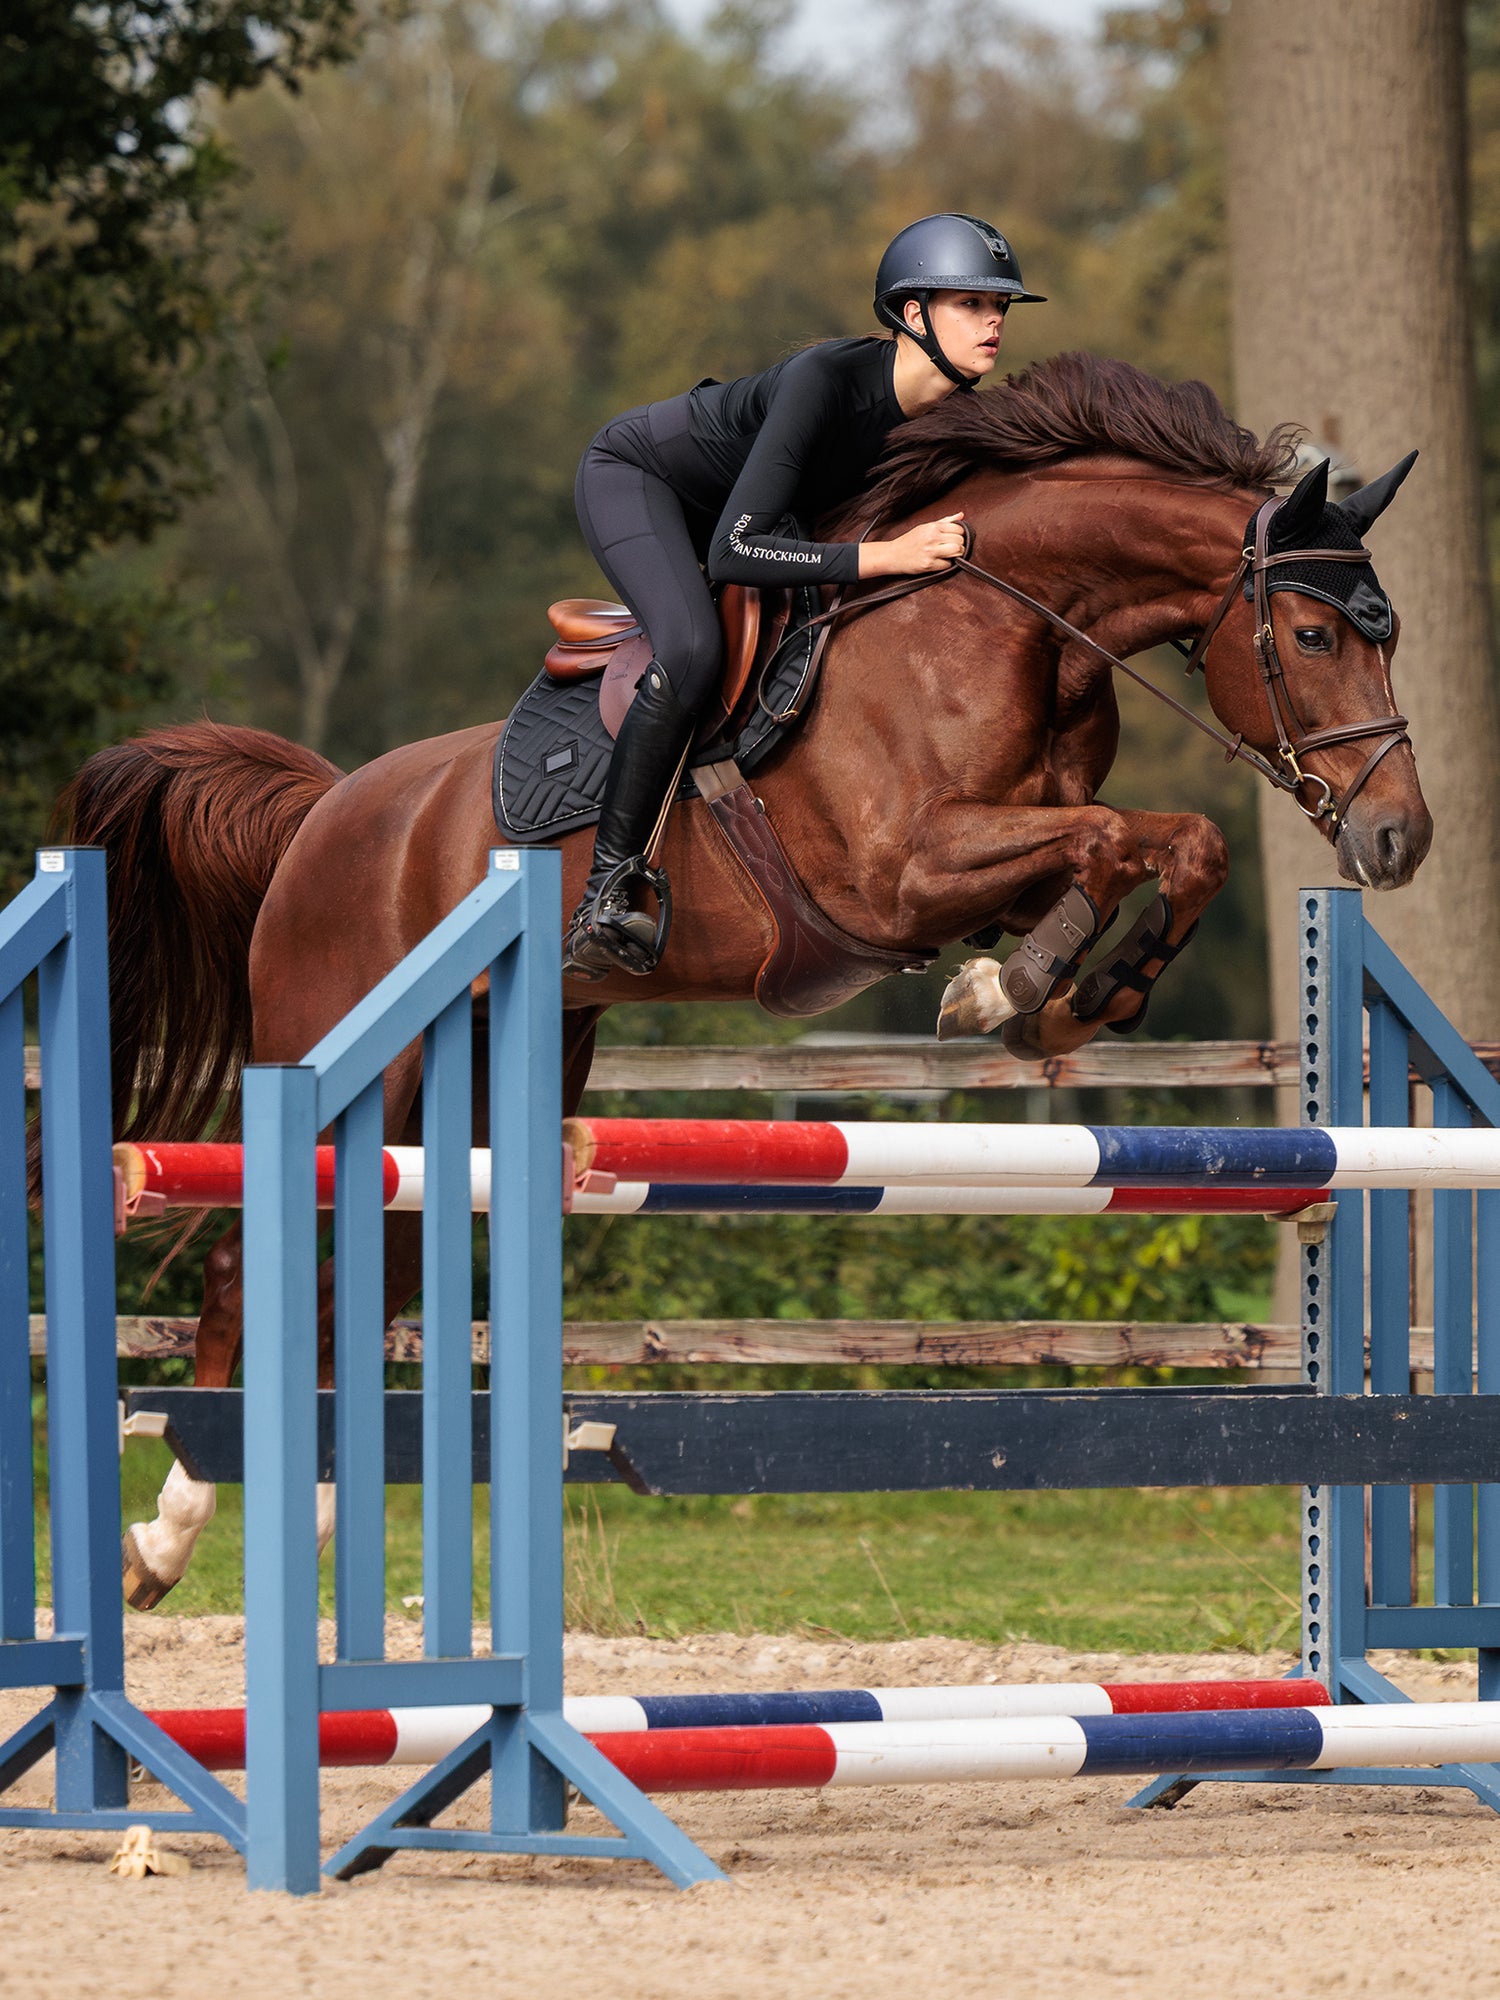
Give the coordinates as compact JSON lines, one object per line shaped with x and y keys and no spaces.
{"x":195,"y":819}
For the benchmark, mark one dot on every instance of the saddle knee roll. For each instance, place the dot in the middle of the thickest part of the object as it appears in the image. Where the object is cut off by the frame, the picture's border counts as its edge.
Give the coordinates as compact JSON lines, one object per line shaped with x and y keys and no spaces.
{"x":1051,"y":953}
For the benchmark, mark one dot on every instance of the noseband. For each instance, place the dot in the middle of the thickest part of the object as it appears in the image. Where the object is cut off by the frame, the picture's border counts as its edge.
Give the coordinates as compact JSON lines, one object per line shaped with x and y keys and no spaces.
{"x":1293,"y":738}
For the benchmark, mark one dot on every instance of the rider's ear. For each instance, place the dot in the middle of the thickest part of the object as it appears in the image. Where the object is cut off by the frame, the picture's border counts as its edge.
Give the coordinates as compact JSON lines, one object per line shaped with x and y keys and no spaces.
{"x":1300,"y":515}
{"x":1366,"y":506}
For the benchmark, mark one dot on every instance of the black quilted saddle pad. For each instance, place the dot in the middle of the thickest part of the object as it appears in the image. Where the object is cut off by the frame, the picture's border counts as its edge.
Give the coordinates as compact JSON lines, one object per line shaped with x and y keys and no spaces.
{"x":554,"y":752}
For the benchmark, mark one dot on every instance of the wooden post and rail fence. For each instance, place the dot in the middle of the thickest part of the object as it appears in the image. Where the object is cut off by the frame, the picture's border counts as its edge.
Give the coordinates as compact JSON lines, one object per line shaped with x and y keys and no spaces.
{"x":872,"y":1067}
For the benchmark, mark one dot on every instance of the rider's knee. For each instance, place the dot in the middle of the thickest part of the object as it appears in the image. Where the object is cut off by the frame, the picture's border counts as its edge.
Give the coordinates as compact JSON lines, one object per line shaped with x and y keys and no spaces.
{"x":692,"y":660}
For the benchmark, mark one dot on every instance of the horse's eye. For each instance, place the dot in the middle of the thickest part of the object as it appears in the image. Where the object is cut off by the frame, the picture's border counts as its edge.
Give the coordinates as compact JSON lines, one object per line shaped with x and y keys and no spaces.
{"x":1314,"y":639}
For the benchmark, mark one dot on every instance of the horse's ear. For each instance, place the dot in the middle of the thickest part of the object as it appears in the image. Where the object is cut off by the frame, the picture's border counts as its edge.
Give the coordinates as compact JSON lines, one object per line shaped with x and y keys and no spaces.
{"x":1300,"y":516}
{"x":1366,"y":506}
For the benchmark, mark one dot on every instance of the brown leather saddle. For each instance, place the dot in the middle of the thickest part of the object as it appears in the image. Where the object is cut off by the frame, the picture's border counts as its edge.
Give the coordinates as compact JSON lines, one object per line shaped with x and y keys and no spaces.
{"x":597,"y":637}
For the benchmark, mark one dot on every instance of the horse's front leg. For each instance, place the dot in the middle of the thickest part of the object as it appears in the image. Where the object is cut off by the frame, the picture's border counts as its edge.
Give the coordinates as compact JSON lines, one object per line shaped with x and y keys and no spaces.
{"x":1063,"y":870}
{"x":1188,"y":856}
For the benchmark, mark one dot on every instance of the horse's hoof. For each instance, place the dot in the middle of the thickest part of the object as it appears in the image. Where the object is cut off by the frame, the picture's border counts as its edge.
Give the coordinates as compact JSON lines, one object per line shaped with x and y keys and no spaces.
{"x":144,"y":1589}
{"x":974,"y":1001}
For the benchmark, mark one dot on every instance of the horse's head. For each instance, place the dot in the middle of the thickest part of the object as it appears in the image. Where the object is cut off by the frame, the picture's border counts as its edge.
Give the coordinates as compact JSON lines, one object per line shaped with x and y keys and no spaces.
{"x":1305,"y":678}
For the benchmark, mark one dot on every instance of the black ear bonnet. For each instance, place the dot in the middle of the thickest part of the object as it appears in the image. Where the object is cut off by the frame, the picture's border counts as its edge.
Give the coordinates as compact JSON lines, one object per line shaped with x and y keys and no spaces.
{"x":1307,"y":520}
{"x":1352,"y":588}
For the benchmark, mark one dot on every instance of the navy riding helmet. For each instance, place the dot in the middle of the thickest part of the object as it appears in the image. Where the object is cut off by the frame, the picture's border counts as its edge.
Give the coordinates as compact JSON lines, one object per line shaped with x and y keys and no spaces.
{"x":945,"y":253}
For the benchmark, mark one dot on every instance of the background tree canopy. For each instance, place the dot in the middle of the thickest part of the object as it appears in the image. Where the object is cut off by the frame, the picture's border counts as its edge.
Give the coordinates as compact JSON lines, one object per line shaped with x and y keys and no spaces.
{"x":113,"y":192}
{"x":332,"y":351}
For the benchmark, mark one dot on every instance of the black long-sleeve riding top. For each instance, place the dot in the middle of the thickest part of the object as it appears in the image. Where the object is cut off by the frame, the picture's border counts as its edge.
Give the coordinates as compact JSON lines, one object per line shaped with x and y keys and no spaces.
{"x":796,"y":440}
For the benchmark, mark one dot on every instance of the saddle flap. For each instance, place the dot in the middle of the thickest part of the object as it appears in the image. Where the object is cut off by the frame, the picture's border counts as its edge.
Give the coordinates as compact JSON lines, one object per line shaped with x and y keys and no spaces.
{"x":739,"y":614}
{"x":553,"y":755}
{"x":753,"y":621}
{"x":590,"y":621}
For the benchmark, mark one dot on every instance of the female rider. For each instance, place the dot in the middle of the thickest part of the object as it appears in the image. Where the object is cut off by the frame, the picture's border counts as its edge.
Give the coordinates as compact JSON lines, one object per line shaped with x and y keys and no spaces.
{"x":721,"y":476}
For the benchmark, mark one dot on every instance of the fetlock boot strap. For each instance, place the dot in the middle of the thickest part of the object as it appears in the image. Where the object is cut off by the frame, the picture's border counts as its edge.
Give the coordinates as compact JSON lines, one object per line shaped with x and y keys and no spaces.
{"x":1145,"y":944}
{"x":1051,"y":953}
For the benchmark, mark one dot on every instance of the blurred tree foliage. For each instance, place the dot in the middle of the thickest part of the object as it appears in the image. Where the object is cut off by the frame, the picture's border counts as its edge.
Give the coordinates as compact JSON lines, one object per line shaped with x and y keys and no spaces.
{"x":914,"y":1267}
{"x":505,"y":222}
{"x":110,"y":188}
{"x":502,"y":222}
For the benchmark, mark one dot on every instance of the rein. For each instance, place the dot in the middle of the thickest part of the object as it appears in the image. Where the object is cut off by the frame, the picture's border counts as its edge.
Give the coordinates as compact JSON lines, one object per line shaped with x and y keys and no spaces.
{"x":1293,"y":739}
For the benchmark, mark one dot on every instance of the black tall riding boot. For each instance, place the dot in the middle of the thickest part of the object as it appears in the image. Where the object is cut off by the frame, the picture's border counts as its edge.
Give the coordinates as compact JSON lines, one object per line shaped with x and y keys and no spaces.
{"x":606,"y":935}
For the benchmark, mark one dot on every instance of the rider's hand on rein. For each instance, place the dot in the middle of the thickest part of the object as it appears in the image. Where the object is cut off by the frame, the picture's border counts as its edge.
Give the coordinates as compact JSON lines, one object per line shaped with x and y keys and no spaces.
{"x":930,"y":546}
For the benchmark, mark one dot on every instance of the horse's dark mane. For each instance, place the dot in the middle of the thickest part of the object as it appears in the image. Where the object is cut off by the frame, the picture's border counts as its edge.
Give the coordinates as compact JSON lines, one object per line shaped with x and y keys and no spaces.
{"x":1074,"y":405}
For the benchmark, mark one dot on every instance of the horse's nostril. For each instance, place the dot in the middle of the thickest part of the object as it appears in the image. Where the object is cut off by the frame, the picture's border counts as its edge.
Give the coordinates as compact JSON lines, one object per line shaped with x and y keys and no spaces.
{"x":1390,"y":845}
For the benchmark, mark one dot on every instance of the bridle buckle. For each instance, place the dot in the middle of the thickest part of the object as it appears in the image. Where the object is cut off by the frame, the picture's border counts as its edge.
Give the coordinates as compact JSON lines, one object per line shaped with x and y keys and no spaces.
{"x":1327,"y":809}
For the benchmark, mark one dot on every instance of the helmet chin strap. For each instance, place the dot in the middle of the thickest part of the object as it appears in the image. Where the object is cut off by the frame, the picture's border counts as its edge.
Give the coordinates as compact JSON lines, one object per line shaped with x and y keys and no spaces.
{"x":932,"y":347}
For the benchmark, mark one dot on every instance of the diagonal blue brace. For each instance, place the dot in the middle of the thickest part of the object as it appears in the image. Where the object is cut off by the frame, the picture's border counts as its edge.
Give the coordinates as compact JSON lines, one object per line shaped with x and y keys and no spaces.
{"x":1346,"y":970}
{"x":56,"y":929}
{"x":508,"y":932}
{"x":645,"y":1833}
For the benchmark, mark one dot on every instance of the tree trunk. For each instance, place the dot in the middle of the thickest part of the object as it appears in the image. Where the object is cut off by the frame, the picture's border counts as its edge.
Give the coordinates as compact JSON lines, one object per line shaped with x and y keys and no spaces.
{"x":1351,"y":314}
{"x":1351,"y":311}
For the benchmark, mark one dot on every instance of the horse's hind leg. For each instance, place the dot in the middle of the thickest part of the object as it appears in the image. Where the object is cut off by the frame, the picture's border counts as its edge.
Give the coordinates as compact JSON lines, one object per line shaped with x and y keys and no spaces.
{"x":155,"y":1554}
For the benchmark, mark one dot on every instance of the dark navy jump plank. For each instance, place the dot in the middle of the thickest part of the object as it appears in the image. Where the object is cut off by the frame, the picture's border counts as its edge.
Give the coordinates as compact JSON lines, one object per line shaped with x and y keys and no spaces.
{"x":925,"y":1441}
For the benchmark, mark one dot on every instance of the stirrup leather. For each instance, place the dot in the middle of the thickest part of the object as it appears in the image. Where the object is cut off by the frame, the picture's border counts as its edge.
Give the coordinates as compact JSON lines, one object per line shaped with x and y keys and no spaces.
{"x":606,"y":934}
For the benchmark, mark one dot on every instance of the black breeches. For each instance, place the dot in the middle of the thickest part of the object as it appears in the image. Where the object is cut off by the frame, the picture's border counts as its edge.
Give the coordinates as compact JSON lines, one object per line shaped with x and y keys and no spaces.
{"x":638,"y":530}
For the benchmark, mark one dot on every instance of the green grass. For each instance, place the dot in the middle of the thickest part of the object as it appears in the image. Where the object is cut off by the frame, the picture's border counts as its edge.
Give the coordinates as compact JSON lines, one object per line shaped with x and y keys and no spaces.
{"x":1128,"y":1571}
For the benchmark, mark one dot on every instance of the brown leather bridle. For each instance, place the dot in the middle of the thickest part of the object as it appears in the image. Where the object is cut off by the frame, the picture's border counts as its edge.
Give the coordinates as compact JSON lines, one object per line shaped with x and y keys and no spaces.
{"x":1294,"y":739}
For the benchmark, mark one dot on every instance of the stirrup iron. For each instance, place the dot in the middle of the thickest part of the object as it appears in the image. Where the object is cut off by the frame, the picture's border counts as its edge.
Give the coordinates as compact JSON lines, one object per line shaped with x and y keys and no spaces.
{"x":607,"y":935}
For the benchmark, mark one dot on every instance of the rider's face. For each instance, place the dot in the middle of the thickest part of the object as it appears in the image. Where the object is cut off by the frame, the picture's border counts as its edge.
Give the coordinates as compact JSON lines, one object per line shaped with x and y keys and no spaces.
{"x":969,"y":327}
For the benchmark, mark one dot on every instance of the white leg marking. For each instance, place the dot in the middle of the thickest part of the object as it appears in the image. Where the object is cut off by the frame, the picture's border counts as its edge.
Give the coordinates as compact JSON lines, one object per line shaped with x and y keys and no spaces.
{"x":328,"y":1495}
{"x":974,"y":1001}
{"x":184,"y":1508}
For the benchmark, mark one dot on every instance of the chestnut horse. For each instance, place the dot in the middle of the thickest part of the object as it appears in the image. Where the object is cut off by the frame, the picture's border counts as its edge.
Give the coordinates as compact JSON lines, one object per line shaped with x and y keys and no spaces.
{"x":945,"y":781}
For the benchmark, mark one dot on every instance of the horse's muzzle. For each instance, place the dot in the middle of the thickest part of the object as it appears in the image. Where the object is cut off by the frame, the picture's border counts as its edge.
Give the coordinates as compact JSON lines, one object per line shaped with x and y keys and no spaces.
{"x":1382,"y":849}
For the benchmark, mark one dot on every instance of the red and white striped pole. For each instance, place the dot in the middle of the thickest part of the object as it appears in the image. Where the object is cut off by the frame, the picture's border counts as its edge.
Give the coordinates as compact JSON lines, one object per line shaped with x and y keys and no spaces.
{"x":216,"y":1736}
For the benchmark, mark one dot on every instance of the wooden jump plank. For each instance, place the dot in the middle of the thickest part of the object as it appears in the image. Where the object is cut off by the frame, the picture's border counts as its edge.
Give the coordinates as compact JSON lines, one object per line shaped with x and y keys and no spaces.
{"x":846,"y":1343}
{"x":924,"y":1065}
